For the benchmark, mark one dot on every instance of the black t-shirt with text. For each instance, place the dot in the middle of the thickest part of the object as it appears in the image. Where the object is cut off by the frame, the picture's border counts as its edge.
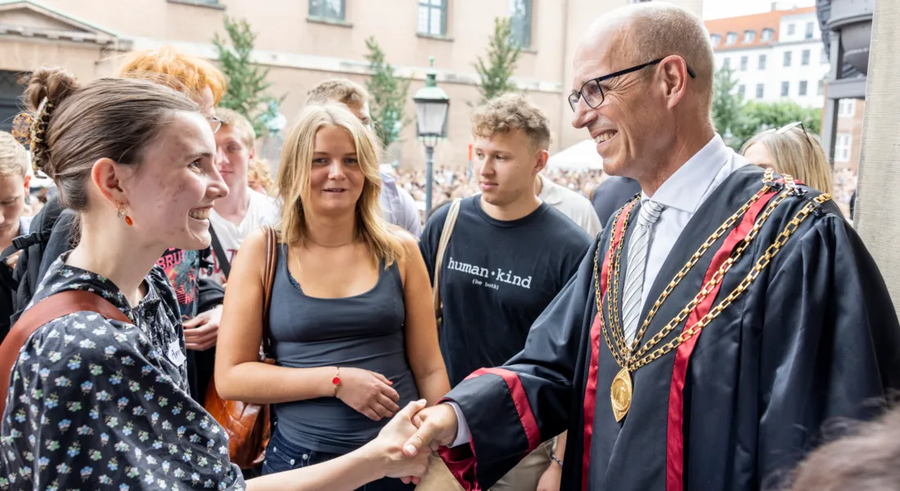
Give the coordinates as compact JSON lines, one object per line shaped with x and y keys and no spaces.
{"x":496,"y":279}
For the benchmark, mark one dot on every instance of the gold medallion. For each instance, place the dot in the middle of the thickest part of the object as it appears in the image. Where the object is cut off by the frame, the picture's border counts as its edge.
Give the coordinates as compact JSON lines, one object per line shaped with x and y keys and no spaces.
{"x":620,"y":394}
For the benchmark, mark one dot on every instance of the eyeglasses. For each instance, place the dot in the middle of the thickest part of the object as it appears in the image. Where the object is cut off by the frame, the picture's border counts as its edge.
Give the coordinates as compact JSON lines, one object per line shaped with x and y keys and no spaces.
{"x":215,"y":123}
{"x":592,"y":92}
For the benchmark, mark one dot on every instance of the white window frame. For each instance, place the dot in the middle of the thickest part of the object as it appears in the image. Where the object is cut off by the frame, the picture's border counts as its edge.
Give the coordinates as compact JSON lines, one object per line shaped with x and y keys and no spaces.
{"x":846,"y":108}
{"x":431,"y":7}
{"x":843,"y":147}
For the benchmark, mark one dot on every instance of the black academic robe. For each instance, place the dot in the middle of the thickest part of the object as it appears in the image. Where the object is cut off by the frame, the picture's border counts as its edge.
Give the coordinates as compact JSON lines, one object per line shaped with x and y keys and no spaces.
{"x":814,"y":340}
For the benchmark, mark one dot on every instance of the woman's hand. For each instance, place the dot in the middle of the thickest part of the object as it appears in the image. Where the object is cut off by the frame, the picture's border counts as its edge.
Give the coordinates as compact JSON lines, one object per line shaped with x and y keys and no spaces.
{"x":368,"y":392}
{"x":388,"y":447}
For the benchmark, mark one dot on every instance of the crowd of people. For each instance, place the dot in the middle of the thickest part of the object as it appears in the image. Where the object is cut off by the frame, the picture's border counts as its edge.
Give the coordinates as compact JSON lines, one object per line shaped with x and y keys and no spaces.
{"x":168,"y":273}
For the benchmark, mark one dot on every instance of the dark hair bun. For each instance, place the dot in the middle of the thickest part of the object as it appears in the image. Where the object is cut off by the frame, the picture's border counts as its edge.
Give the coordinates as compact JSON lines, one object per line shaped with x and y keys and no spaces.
{"x":54,"y":85}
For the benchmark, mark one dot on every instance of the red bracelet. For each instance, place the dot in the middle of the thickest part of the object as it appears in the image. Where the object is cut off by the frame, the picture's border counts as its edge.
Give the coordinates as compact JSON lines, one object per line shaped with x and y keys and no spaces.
{"x":336,"y":381}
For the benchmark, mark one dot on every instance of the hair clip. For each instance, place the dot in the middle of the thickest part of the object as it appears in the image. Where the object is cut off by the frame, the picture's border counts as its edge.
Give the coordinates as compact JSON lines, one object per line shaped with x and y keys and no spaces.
{"x":21,"y":128}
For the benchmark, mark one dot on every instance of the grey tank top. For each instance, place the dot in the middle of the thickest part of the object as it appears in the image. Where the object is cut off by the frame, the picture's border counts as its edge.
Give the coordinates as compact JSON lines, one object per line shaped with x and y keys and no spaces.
{"x":363,"y":331}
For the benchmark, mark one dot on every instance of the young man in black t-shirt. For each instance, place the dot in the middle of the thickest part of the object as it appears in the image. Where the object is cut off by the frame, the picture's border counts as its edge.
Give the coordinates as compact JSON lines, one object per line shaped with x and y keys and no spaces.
{"x":508,"y":257}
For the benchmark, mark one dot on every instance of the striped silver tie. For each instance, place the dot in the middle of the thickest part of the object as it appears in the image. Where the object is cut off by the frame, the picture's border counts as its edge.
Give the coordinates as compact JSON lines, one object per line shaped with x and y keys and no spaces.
{"x":637,"y":263}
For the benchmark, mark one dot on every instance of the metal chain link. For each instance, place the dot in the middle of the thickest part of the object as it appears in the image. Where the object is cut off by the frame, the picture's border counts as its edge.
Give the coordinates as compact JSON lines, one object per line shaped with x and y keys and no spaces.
{"x":621,"y":352}
{"x":760,"y":265}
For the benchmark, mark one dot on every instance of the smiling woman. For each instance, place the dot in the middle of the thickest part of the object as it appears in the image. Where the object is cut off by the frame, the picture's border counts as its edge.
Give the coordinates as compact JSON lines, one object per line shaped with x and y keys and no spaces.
{"x":99,"y":388}
{"x":350,"y":325}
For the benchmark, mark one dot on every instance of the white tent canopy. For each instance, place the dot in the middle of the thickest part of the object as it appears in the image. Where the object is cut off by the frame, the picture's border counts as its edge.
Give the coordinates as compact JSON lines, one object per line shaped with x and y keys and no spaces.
{"x":581,"y":156}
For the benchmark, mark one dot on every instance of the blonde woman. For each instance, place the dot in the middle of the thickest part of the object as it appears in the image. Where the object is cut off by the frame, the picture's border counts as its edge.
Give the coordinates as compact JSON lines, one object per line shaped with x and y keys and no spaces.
{"x":351,"y":323}
{"x":794,"y":151}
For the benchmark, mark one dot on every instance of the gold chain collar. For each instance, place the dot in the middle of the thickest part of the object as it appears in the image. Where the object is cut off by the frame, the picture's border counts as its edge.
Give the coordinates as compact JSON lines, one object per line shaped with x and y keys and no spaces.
{"x":625,"y":355}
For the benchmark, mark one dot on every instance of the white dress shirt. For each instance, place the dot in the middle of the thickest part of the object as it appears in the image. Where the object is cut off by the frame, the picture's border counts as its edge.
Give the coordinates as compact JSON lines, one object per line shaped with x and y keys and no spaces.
{"x":681,"y":194}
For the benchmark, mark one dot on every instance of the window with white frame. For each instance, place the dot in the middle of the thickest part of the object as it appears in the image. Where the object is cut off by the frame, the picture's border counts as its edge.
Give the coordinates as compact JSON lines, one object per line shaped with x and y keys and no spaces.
{"x":804,"y":86}
{"x":785,"y":89}
{"x":742,"y":89}
{"x":787,"y":58}
{"x":762,"y":62}
{"x":760,"y":91}
{"x":749,"y":37}
{"x":804,"y":57}
{"x":726,"y":63}
{"x":810,"y":30}
{"x":730,"y":38}
{"x":744,"y":62}
{"x":792,"y":28}
{"x":433,"y":17}
{"x":843,"y":146}
{"x":520,"y":22}
{"x":847,"y":108}
{"x":767,"y":34}
{"x":715,"y":39}
{"x":327,"y":9}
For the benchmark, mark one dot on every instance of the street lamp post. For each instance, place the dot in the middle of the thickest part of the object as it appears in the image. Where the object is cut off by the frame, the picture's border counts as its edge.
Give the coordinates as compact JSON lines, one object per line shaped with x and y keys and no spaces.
{"x":432,"y":108}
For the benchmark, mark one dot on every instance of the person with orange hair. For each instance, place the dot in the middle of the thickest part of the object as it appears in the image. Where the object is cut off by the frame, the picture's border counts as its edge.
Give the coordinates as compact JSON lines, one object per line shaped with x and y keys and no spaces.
{"x":194,"y":76}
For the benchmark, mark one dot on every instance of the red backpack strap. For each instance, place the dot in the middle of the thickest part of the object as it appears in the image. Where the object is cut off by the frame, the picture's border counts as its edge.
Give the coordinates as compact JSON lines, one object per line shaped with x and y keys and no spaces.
{"x":51,"y":308}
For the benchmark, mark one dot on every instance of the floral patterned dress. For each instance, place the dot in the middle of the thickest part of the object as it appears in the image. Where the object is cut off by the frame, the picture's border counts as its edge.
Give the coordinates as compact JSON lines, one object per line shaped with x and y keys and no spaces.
{"x":96,"y":404}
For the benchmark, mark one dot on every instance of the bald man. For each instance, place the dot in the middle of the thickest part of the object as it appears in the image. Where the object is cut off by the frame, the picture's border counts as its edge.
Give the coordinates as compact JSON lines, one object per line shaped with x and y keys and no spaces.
{"x":713,"y":328}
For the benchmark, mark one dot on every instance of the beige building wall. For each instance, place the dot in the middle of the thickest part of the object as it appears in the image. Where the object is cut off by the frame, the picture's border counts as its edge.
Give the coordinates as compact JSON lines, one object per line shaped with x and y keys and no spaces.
{"x":301,"y":51}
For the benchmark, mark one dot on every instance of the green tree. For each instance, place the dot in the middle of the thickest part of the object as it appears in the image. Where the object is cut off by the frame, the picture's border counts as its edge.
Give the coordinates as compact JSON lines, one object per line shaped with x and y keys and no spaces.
{"x":500,"y":63}
{"x":389,"y":95}
{"x":727,"y":103}
{"x":760,"y":116}
{"x":247,"y":86}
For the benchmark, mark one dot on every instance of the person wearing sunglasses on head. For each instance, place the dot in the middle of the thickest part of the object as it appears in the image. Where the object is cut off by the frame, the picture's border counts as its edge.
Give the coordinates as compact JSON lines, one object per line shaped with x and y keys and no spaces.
{"x":793,"y":151}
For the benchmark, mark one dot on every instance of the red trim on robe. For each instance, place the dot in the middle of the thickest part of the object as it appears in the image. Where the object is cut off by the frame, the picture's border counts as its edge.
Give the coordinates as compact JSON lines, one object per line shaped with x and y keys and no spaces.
{"x":590,"y":391}
{"x":675,"y":433}
{"x":462,"y":461}
{"x":462,"y":464}
{"x":523,"y":407}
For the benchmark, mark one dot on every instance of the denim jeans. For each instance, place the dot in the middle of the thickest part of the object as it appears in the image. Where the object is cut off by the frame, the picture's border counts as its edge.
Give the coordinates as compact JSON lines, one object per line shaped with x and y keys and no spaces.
{"x":282,"y":455}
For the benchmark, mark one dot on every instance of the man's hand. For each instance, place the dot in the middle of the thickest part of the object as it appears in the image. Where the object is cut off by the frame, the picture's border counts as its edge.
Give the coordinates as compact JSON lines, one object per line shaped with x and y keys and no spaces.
{"x":201,"y":332}
{"x":437,"y":428}
{"x":550,"y":479}
{"x":388,"y":447}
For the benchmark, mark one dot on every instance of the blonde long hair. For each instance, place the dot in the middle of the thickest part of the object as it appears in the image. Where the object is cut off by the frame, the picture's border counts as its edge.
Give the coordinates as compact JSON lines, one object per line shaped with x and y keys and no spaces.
{"x":294,"y":181}
{"x":797,"y":153}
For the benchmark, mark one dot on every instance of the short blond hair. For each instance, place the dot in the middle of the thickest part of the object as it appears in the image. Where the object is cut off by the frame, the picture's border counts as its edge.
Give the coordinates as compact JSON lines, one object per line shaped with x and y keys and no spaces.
{"x":341,"y":90}
{"x":512,"y":112}
{"x":797,"y":155}
{"x":237,"y":122}
{"x":13,"y":157}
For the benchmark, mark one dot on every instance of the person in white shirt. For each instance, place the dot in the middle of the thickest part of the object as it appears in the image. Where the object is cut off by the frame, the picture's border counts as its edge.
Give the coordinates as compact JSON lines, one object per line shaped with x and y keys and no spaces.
{"x":569,"y":203}
{"x":714,"y":328}
{"x":243,"y":210}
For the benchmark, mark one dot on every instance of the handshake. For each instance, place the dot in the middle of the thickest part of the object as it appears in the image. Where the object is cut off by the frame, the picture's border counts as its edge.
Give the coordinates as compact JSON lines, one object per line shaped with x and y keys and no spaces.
{"x":405,"y":443}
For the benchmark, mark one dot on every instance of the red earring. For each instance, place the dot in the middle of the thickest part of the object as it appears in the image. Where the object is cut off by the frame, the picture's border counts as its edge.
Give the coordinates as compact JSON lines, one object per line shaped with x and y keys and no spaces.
{"x":120,"y":211}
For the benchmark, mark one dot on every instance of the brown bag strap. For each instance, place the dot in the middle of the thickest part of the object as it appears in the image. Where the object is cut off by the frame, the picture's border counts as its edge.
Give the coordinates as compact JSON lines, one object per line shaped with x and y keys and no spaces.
{"x":268,"y":281}
{"x":446,"y":233}
{"x":51,"y":308}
